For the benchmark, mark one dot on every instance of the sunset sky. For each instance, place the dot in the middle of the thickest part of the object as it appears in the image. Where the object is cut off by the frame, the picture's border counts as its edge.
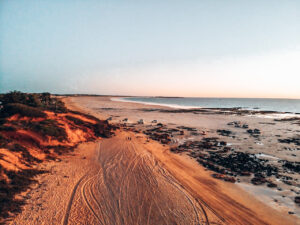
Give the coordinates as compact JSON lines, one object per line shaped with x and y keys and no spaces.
{"x":165,"y":47}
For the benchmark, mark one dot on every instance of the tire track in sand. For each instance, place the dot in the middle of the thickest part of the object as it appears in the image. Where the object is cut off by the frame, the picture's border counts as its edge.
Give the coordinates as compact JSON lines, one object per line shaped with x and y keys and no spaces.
{"x":69,"y":206}
{"x":124,"y":169}
{"x":67,"y":213}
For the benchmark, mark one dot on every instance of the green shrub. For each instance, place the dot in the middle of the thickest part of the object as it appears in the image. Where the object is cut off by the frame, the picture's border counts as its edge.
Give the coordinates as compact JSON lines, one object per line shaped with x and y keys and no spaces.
{"x":16,"y":148}
{"x":85,"y":115}
{"x":49,"y":128}
{"x":79,"y":122}
{"x":24,"y":110}
{"x":7,"y":128}
{"x":14,"y":97}
{"x":43,"y":100}
{"x":2,"y":121}
{"x":103,"y":129}
{"x":3,"y":141}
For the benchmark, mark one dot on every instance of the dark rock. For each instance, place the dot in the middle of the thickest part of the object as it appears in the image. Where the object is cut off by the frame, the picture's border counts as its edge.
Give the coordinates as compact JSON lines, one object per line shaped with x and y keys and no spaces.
{"x":287,"y":182}
{"x":258,"y":180}
{"x":245,"y":173}
{"x":271,"y":185}
{"x":224,"y":177}
{"x":224,"y":132}
{"x":293,"y":166}
{"x":250,"y":131}
{"x":297,"y":200}
{"x":256,"y":131}
{"x":294,"y":140}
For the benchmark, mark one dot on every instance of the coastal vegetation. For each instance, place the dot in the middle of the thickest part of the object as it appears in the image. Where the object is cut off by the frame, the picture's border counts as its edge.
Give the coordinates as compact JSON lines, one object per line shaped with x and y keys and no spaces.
{"x":34,"y":128}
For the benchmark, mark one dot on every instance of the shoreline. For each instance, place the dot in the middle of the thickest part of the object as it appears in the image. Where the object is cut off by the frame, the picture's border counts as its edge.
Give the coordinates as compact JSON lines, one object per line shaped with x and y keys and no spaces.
{"x":153,"y":104}
{"x":233,"y":110}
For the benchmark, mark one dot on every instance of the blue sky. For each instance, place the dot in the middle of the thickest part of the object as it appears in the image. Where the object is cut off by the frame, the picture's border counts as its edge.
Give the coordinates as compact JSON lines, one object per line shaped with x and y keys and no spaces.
{"x":180,"y":48}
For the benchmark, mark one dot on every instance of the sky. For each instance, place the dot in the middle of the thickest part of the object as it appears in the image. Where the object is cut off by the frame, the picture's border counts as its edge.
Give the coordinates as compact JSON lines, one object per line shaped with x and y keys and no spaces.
{"x":194,"y":48}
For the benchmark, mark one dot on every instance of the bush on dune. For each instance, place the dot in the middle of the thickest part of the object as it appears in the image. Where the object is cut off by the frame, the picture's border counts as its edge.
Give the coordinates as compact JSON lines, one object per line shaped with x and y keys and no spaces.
{"x":7,"y":128}
{"x":22,"y":98}
{"x":23,"y":110}
{"x":79,"y":122}
{"x":103,"y":129}
{"x":85,"y":115}
{"x":15,"y":147}
{"x":3,"y":141}
{"x":43,"y":101}
{"x":33,"y":106}
{"x":20,"y":181}
{"x":2,"y":121}
{"x":14,"y":97}
{"x":49,"y":128}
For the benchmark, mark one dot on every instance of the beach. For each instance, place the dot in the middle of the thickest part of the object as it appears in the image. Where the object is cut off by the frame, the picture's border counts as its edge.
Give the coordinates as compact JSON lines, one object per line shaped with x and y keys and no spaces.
{"x":265,"y":146}
{"x":131,"y":178}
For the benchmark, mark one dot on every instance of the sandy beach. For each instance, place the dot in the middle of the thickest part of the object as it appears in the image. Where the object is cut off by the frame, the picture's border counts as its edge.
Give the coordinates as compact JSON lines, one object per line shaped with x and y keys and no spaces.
{"x":132,"y":179}
{"x":265,"y":147}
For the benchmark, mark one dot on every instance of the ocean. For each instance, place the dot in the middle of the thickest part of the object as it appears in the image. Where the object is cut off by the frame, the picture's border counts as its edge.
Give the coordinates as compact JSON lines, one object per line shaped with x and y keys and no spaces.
{"x":268,"y":104}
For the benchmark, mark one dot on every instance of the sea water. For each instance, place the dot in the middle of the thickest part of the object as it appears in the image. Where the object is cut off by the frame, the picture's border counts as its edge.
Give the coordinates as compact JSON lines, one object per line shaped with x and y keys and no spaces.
{"x":264,"y":104}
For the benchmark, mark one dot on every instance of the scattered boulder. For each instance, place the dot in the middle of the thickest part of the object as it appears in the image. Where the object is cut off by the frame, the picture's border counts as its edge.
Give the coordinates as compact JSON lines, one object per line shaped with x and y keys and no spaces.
{"x":224,"y":132}
{"x":224,"y":177}
{"x":254,"y":133}
{"x":293,"y":166}
{"x":271,"y":185}
{"x":218,"y":157}
{"x":297,"y":200}
{"x":238,"y":124}
{"x":258,"y":180}
{"x":141,"y":121}
{"x":295,"y":140}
